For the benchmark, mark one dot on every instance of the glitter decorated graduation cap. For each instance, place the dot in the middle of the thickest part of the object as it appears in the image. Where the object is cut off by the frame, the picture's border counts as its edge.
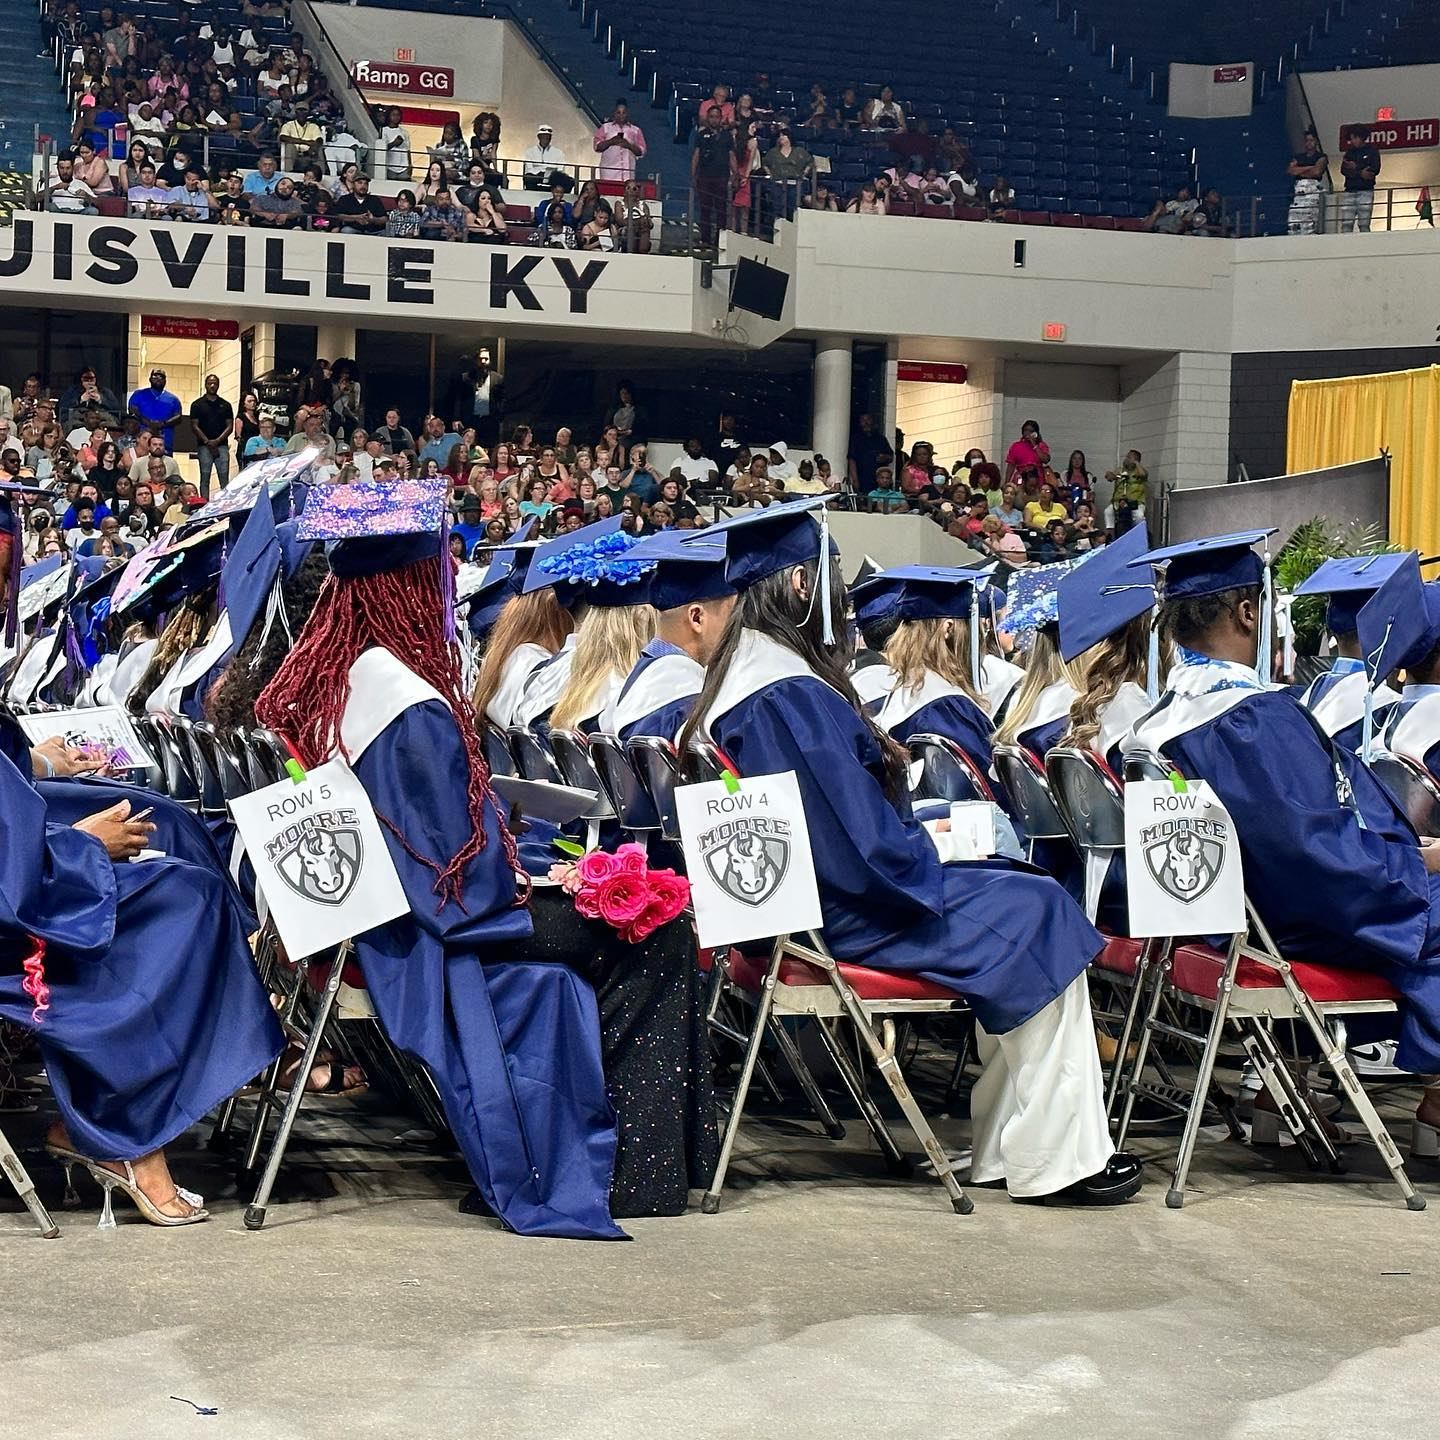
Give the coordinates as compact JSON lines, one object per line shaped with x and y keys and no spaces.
{"x":282,"y":476}
{"x":1034,"y":600}
{"x":1349,"y":581}
{"x":689,"y":566}
{"x":916,"y":592}
{"x":372,"y":526}
{"x":1210,"y":566}
{"x":760,"y":542}
{"x":591,"y":566}
{"x":1101,"y":596}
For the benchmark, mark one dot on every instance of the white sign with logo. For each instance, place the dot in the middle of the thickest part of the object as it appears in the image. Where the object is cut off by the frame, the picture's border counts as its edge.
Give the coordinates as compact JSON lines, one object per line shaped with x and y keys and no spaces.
{"x":320,"y":859}
{"x":106,"y":731}
{"x":1182,"y":861}
{"x":747,"y":856}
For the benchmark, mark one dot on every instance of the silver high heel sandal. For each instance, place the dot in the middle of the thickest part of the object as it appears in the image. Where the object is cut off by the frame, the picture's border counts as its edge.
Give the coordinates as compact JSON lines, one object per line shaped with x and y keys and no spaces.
{"x":68,"y":1160}
{"x":109,"y":1179}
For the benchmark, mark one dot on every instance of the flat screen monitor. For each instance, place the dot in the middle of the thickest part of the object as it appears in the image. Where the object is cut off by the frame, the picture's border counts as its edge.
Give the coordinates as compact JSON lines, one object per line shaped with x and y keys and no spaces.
{"x":759,"y":289}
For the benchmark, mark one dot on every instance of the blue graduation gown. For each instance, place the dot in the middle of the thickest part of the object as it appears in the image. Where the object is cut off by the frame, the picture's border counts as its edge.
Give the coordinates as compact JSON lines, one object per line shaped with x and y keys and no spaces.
{"x":1004,"y":936}
{"x":156,"y":1013}
{"x":1329,"y":890}
{"x":513,"y":1046}
{"x":665,"y":719}
{"x":960,"y":719}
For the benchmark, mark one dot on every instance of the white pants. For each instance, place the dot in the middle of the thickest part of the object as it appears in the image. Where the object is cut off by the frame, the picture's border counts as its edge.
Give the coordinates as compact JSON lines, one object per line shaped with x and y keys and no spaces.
{"x":1038,"y":1109}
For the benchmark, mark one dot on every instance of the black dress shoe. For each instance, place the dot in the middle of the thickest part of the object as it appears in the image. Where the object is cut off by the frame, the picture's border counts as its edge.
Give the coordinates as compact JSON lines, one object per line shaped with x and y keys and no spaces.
{"x":1113,"y":1185}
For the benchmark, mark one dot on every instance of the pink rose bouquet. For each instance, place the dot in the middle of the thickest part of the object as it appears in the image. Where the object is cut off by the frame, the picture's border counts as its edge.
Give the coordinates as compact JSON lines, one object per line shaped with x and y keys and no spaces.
{"x":623,"y":891}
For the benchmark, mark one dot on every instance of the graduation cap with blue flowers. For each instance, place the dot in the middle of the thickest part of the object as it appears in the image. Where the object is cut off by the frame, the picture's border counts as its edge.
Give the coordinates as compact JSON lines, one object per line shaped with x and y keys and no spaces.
{"x":1034,"y":595}
{"x":591,"y":566}
{"x":1349,"y":581}
{"x":689,"y":566}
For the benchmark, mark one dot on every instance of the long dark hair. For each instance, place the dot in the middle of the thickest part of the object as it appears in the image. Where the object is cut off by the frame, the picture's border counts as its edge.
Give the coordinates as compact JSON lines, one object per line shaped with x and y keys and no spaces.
{"x":774,"y":607}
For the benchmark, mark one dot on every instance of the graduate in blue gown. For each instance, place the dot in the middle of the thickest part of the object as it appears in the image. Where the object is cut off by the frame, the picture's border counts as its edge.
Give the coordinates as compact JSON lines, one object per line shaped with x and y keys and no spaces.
{"x":1412,"y":726}
{"x":777,"y":699}
{"x":1332,"y":865}
{"x":692,"y":600}
{"x":1037,"y":711}
{"x":511,"y":1044}
{"x":1336,"y":697}
{"x":154,"y":1013}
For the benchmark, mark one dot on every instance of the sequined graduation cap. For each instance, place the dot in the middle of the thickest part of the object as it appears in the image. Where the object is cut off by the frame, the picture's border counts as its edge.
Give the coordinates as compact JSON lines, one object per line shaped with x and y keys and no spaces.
{"x":591,"y":566}
{"x":372,"y":526}
{"x":1034,"y":595}
{"x":689,"y":566}
{"x":1349,"y":581}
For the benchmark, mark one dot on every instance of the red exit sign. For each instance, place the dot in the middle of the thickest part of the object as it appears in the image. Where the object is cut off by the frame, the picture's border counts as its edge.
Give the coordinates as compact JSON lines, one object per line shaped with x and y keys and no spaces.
{"x":1397,"y":134}
{"x":935,"y":371}
{"x":1052,"y":330}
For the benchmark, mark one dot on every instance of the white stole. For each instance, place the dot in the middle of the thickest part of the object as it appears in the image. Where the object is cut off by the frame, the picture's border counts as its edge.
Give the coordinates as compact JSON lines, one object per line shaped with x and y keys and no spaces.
{"x":382,"y":687}
{"x":757,"y":663}
{"x":904,"y":702}
{"x":665,"y":679}
{"x":873,"y":682}
{"x":1343,"y":704}
{"x":543,"y":685}
{"x":1118,"y":717}
{"x":128,"y":670}
{"x":518,"y":669}
{"x":997,"y":679}
{"x":1417,"y":729}
{"x":1053,"y":702}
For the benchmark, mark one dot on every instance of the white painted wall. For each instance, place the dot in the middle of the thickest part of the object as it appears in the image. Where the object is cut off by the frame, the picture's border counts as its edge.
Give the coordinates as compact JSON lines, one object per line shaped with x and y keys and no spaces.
{"x":1176,"y":412}
{"x":953,"y":418}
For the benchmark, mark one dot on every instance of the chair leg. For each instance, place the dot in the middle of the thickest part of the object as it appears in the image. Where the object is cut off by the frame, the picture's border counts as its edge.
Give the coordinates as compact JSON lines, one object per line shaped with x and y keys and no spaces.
{"x":1332,"y":1052}
{"x":710,"y":1203}
{"x":255,"y":1211}
{"x":1175,"y":1196}
{"x":801,"y":1071}
{"x":1127,"y":1028}
{"x":854,"y":1084}
{"x":1276,"y":1077}
{"x":1147,"y":1031}
{"x":962,"y":1059}
{"x":19,"y":1177}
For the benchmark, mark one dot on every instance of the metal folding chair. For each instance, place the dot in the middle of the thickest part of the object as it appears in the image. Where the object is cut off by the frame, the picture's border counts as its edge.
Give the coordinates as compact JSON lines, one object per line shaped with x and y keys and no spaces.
{"x":1023,"y":778}
{"x":19,"y":1177}
{"x":1414,"y":789}
{"x":623,"y":787}
{"x":220,"y":761}
{"x":498,"y":754}
{"x":533,"y":755}
{"x":946,"y":772}
{"x":657,"y":762}
{"x":180,"y":783}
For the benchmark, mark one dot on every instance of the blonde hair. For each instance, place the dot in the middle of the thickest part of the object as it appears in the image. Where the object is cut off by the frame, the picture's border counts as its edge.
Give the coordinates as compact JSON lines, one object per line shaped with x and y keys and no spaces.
{"x":608,"y":641}
{"x":1043,"y":667}
{"x":534,"y":619}
{"x":1118,"y":658}
{"x":943,"y":646}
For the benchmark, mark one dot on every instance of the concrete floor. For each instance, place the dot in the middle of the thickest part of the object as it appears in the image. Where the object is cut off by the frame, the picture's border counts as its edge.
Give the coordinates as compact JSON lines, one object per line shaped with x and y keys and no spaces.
{"x":826,"y":1299}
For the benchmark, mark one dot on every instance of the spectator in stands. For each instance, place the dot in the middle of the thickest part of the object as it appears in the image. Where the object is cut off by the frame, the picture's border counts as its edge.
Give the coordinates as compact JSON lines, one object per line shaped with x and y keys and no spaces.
{"x":635,"y":220}
{"x":964,"y":184}
{"x":485,"y":138}
{"x":91,"y":169}
{"x":1009,"y":511}
{"x":311,"y":431}
{"x":1044,"y":508}
{"x":403,"y":220}
{"x":1077,"y":484}
{"x":541,"y":160}
{"x":868,"y":201}
{"x":70,"y":195}
{"x":720,"y":98}
{"x":452,"y":151}
{"x":1310,"y":162}
{"x":1172,"y":217}
{"x":1209,"y":217}
{"x":1029,"y":450}
{"x":149,"y":455}
{"x":190,"y":201}
{"x":233,"y":204}
{"x":582,"y":212}
{"x":1053,"y":545}
{"x":600,"y":233}
{"x":710,"y":149}
{"x":396,"y":145}
{"x":1127,"y":500}
{"x":951,"y":152}
{"x":619,"y":143}
{"x":558,"y":201}
{"x":280,"y":208}
{"x":212,"y":418}
{"x":884,"y":112}
{"x":158,"y":408}
{"x":1002,"y":196}
{"x":148,"y":199}
{"x":301,"y":139}
{"x":744,"y":162}
{"x":788,"y":165}
{"x":486,"y":222}
{"x":360,"y":212}
{"x":264,"y":442}
{"x":85,"y":394}
{"x":1360,"y":165}
{"x":822,"y":198}
{"x":477,"y":180}
{"x":556,"y":233}
{"x":394,"y":438}
{"x":1084,"y":535}
{"x":695,"y":467}
{"x":884,"y":497}
{"x":442,"y":219}
{"x":264,"y":178}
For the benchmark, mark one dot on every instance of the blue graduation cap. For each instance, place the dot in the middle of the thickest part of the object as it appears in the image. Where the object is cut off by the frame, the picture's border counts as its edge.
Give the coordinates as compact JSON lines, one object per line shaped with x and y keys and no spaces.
{"x":1349,"y":581}
{"x":917,"y":592}
{"x":373,"y":526}
{"x":1101,"y":596}
{"x":259,"y":562}
{"x":760,"y":542}
{"x":1398,"y":627}
{"x":689,"y":566}
{"x":591,"y":566}
{"x":1210,"y":566}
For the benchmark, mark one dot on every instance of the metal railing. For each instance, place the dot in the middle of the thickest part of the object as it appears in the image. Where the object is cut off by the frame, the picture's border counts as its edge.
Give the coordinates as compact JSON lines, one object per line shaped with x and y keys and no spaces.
{"x":1283,"y":212}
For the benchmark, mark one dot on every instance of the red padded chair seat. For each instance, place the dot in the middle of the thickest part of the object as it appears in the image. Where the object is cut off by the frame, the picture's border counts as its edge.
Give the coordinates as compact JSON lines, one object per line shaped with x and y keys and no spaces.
{"x":748,"y":972}
{"x":1120,"y":955}
{"x":318,"y":973}
{"x":1196,"y":970}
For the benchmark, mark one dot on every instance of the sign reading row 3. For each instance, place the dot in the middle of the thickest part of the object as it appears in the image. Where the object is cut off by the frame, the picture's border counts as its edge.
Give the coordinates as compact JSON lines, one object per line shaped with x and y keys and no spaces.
{"x":111,"y":255}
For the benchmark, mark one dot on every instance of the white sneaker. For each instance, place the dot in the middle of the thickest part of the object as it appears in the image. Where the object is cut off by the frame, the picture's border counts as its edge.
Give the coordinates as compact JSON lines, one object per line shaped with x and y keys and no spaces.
{"x":1377,"y":1059}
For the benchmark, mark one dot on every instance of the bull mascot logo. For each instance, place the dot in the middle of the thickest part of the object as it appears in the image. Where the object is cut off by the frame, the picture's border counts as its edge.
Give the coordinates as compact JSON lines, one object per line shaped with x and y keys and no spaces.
{"x":323,"y":863}
{"x":748,"y":857}
{"x":1185,"y":856}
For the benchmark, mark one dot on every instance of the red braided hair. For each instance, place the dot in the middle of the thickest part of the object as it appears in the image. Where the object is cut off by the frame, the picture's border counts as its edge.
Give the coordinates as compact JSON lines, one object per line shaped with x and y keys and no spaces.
{"x":401,"y":611}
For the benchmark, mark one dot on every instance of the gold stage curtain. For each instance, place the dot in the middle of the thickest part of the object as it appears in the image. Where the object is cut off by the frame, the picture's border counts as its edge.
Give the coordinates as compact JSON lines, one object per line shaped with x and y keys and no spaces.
{"x":1335,"y":422}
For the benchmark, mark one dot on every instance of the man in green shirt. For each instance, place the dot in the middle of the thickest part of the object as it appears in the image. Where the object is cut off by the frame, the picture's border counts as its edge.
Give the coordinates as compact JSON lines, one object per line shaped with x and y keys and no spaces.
{"x":1127,"y":500}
